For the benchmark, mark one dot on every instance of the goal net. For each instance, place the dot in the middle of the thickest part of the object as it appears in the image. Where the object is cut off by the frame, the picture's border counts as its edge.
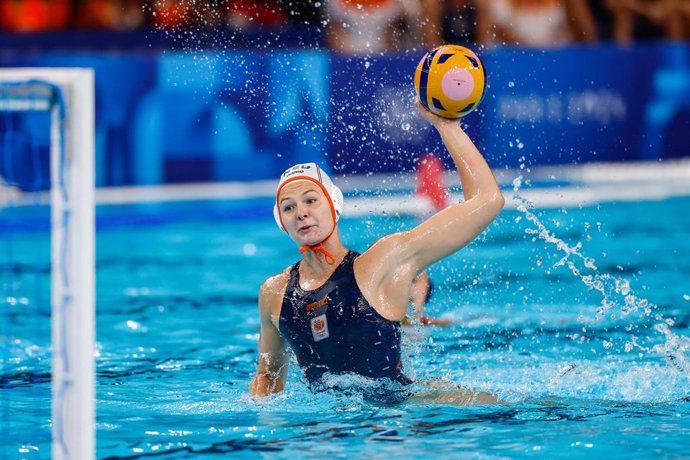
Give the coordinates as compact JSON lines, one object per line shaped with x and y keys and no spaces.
{"x":57,"y":106}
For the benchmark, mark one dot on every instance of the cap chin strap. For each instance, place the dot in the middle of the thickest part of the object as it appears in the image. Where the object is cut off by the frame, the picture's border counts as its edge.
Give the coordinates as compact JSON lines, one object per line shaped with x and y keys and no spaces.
{"x":319,"y":249}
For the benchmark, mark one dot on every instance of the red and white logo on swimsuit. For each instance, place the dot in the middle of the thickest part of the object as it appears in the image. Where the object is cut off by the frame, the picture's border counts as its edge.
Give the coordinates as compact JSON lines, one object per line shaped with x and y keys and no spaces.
{"x":319,"y":328}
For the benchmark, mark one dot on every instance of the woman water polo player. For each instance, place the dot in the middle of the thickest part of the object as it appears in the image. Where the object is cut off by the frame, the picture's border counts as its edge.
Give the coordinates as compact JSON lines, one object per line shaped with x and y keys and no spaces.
{"x":340,"y":311}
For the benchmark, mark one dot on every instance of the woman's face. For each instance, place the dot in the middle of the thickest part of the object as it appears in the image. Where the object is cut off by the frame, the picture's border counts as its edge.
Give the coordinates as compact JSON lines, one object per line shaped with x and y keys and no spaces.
{"x":306,"y":212}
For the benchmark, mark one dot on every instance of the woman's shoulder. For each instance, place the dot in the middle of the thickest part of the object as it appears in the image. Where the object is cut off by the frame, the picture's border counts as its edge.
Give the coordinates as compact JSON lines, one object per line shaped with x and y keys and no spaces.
{"x":381,"y":258}
{"x":272,"y":291}
{"x":382,"y":248}
{"x":276,"y":282}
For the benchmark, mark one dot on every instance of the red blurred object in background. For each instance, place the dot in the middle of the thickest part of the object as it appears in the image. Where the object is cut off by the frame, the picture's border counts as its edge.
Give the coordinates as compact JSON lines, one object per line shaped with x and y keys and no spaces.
{"x":431,"y":182}
{"x":35,"y":15}
{"x":171,"y":14}
{"x":249,"y":12}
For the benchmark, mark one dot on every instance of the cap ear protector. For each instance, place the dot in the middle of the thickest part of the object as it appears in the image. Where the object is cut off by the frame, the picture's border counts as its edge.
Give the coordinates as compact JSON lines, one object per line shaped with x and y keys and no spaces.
{"x":312,"y":173}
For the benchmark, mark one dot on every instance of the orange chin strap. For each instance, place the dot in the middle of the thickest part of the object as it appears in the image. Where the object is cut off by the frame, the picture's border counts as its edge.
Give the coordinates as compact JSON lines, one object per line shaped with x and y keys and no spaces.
{"x":319,"y":248}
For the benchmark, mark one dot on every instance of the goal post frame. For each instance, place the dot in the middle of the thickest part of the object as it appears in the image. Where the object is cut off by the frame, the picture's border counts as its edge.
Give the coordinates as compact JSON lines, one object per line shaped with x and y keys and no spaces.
{"x":72,"y":192}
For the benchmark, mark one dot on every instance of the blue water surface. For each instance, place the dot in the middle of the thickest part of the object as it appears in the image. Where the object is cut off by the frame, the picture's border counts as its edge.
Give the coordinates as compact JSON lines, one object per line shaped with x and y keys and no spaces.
{"x":577,"y":318}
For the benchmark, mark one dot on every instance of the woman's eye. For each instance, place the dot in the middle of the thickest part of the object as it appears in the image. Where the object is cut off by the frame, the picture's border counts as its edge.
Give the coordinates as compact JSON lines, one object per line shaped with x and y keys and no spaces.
{"x":287,"y":208}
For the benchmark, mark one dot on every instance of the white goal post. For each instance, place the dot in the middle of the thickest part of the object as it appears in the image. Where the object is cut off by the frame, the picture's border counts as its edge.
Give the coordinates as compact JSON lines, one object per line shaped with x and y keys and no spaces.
{"x":69,"y":95}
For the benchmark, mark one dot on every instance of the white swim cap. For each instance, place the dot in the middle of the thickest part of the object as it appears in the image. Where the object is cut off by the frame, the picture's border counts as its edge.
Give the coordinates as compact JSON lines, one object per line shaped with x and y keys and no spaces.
{"x":312,"y":173}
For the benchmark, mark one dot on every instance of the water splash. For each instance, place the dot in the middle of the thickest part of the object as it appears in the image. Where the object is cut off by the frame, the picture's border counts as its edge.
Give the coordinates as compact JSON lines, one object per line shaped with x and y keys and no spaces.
{"x":616,"y":293}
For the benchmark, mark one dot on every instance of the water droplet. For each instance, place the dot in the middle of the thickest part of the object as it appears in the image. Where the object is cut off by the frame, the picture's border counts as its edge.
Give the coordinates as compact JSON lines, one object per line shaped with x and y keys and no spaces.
{"x":405,"y":126}
{"x":517,"y":182}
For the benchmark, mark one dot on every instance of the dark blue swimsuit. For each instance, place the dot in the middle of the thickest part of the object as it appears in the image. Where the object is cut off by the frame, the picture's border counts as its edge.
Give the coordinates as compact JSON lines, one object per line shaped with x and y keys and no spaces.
{"x":334,"y":329}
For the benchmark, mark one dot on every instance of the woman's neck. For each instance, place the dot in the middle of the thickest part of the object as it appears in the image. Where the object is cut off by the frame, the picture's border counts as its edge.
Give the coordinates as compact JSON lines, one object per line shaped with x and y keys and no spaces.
{"x":314,"y":266}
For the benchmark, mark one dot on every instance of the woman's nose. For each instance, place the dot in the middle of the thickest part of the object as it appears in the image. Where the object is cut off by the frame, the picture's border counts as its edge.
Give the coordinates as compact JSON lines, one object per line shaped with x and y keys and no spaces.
{"x":301,"y":212}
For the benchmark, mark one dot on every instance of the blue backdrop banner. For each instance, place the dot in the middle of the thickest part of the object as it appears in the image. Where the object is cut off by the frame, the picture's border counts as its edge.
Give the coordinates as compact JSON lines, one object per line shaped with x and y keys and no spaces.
{"x":219,"y":116}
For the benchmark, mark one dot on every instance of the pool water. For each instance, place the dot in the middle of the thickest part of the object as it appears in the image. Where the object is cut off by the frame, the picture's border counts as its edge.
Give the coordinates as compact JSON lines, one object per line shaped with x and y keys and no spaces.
{"x":577,"y":318}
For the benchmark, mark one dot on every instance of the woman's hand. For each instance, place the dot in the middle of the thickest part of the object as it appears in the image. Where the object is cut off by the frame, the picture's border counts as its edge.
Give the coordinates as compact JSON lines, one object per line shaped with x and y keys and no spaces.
{"x":438,"y":122}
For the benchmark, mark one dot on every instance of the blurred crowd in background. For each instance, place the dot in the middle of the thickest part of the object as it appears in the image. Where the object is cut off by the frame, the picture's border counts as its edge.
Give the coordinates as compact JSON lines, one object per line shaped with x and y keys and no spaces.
{"x":372,"y":26}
